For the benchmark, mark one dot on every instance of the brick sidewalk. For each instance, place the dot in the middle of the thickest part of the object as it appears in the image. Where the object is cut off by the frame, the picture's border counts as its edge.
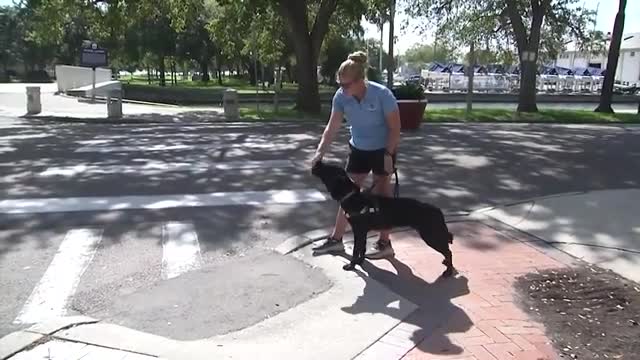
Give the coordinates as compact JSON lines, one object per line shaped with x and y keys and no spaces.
{"x":475,"y":316}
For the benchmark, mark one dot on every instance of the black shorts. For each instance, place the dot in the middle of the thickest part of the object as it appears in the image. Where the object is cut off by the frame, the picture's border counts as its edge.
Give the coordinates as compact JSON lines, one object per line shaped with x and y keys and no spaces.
{"x":365,"y":161}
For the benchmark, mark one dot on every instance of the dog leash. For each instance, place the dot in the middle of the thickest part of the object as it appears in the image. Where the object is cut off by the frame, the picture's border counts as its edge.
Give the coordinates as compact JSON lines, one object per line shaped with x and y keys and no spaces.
{"x":396,"y":188}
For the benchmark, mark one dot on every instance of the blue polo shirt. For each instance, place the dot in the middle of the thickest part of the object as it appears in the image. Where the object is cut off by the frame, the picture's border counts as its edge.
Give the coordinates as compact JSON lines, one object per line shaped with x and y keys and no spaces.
{"x":366,"y":118}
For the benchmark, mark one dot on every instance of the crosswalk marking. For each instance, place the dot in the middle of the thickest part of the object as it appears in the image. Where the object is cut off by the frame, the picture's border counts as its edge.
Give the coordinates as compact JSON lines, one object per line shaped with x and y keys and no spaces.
{"x":180,"y":249}
{"x":159,"y":167}
{"x":50,"y":297}
{"x":289,"y":145}
{"x":185,"y":136}
{"x":155,"y":202}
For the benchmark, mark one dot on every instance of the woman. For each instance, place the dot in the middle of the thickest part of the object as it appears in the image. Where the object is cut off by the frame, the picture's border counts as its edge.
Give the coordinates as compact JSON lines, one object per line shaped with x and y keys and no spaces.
{"x":372,"y":113}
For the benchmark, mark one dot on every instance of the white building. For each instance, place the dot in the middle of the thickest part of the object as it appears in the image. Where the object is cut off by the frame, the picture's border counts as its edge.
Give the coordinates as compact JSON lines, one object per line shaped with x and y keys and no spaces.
{"x":628,"y":71}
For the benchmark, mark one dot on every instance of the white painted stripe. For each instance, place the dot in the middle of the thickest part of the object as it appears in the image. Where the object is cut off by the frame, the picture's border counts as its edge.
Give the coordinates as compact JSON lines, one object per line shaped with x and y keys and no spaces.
{"x":106,"y":139}
{"x":180,"y":249}
{"x":153,"y":202}
{"x":159,"y":167}
{"x":50,"y":297}
{"x":24,"y":137}
{"x":266,"y":145}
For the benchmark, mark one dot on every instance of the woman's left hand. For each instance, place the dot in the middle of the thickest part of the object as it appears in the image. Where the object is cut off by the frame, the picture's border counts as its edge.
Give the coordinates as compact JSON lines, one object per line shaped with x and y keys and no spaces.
{"x":388,"y":164}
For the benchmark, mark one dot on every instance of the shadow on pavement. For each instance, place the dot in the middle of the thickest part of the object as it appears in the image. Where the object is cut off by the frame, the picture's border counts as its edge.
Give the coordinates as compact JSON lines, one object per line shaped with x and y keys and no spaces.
{"x":433,"y":300}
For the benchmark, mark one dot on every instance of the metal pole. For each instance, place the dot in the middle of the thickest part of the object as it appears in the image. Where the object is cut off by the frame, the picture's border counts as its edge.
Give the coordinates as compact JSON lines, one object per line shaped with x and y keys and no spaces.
{"x":93,"y":85}
{"x":255,"y":71}
{"x":470,"y":74}
{"x":391,"y":67}
{"x":381,"y":48}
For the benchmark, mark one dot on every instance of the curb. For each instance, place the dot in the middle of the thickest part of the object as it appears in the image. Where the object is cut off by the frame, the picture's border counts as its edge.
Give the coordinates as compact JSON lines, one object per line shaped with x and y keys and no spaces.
{"x":533,"y":199}
{"x":544,"y":197}
{"x":524,"y":237}
{"x":18,"y":341}
{"x":134,"y":120}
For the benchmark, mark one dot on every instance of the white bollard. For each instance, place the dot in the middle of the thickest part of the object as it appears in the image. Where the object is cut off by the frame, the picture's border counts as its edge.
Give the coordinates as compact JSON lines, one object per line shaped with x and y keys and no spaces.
{"x":34,"y":106}
{"x":114,"y":104}
{"x":230,"y":104}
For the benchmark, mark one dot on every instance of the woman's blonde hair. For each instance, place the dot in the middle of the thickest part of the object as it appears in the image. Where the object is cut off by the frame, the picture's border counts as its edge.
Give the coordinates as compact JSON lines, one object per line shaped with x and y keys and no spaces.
{"x":355,"y":66}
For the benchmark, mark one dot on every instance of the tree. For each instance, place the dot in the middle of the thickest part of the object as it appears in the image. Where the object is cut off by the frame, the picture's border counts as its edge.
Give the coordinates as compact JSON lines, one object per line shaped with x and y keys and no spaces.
{"x":194,"y":43}
{"x":594,"y":44}
{"x":421,"y":55}
{"x":482,"y":56}
{"x":8,"y":35}
{"x":335,"y":52}
{"x":606,"y":96}
{"x":307,"y":36}
{"x":378,"y":13}
{"x":536,"y":27}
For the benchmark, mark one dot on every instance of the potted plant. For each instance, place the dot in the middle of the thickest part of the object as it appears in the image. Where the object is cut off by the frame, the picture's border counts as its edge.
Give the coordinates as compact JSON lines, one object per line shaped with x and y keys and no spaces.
{"x":411,"y":103}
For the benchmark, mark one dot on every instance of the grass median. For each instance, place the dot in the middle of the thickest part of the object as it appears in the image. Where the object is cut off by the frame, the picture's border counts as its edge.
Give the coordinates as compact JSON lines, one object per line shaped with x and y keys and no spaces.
{"x":543,"y":116}
{"x":286,"y":113}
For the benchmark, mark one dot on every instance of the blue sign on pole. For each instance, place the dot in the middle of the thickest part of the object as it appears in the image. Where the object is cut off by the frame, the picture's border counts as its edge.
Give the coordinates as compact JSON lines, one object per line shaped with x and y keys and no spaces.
{"x":94,"y":57}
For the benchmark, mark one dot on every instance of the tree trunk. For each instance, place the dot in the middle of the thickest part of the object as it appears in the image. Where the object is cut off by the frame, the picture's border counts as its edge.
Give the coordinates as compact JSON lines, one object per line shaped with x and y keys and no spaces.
{"x":470,"y":74}
{"x":307,"y":43}
{"x":204,"y":69}
{"x":391,"y":64}
{"x":148,"y":75}
{"x":163,"y":81}
{"x":219,"y":66}
{"x":528,"y":45}
{"x":185,"y":72}
{"x":606,"y":96}
{"x":307,"y":98}
{"x":527,"y":95}
{"x":174,"y":79}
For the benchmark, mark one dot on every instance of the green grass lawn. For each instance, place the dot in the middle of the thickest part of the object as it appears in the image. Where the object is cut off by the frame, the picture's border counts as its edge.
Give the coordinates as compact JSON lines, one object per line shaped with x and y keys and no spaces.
{"x":241,"y":85}
{"x":544,"y":116}
{"x":286,"y":113}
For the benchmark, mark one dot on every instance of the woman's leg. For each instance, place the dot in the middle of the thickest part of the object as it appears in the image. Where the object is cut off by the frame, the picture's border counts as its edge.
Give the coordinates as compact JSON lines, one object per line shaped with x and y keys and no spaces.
{"x":382,"y":180}
{"x":383,"y":187}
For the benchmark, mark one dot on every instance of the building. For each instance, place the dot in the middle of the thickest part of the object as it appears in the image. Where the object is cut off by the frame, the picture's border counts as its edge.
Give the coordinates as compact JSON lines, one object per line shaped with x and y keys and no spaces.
{"x":628,"y":71}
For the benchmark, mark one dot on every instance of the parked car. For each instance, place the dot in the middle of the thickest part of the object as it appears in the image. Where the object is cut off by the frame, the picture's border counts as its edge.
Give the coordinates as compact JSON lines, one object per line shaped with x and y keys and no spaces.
{"x":414,"y":79}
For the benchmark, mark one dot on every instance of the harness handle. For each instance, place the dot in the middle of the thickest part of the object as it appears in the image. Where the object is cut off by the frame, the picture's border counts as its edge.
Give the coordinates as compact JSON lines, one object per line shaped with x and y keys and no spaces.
{"x":396,"y":188}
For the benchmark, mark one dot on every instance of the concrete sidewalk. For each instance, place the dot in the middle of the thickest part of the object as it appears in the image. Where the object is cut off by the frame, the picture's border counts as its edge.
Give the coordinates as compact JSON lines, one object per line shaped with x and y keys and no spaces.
{"x":599,"y":227}
{"x":13,"y":102}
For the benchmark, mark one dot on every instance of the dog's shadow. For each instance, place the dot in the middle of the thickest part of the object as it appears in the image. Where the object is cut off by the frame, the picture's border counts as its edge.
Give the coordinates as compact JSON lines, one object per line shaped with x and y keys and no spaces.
{"x":436,"y":316}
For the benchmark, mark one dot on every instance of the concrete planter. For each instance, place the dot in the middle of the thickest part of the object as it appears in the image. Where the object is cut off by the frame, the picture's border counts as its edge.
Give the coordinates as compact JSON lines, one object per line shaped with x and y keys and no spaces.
{"x":411,"y":113}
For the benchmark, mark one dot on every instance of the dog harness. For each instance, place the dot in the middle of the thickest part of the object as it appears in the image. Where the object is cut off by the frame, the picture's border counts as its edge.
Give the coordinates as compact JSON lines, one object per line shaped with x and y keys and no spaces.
{"x":366,"y":210}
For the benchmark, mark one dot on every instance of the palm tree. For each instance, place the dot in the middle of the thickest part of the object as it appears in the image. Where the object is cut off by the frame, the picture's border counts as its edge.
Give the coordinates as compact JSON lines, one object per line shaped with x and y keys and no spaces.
{"x":606,"y":95}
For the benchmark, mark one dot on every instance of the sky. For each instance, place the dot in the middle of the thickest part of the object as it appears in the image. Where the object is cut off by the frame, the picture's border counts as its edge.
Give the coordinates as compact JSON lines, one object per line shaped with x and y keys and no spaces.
{"x":604,"y":22}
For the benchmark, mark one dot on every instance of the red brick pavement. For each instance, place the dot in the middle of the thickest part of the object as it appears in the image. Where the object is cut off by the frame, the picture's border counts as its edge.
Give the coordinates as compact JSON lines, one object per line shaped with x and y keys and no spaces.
{"x":482,"y":320}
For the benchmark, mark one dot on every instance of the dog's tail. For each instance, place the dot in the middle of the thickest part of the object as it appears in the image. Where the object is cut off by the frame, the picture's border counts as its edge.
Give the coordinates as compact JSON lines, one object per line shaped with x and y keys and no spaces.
{"x":450,"y":238}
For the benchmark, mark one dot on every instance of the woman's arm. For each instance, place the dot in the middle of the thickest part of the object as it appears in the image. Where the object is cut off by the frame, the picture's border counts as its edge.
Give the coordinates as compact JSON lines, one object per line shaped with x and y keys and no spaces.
{"x":393,"y":123}
{"x":392,"y":117}
{"x":330,"y":131}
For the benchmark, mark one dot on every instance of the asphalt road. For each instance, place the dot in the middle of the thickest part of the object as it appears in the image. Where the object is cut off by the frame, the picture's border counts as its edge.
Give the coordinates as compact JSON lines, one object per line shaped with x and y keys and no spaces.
{"x":231,"y":279}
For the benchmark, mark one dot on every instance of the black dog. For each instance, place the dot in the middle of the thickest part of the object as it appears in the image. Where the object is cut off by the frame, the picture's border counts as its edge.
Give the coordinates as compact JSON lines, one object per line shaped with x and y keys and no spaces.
{"x":367,"y":212}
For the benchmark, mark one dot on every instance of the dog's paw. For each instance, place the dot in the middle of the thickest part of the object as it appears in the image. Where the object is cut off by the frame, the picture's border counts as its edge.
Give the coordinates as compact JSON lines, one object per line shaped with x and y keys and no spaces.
{"x":349,"y":267}
{"x":450,"y":271}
